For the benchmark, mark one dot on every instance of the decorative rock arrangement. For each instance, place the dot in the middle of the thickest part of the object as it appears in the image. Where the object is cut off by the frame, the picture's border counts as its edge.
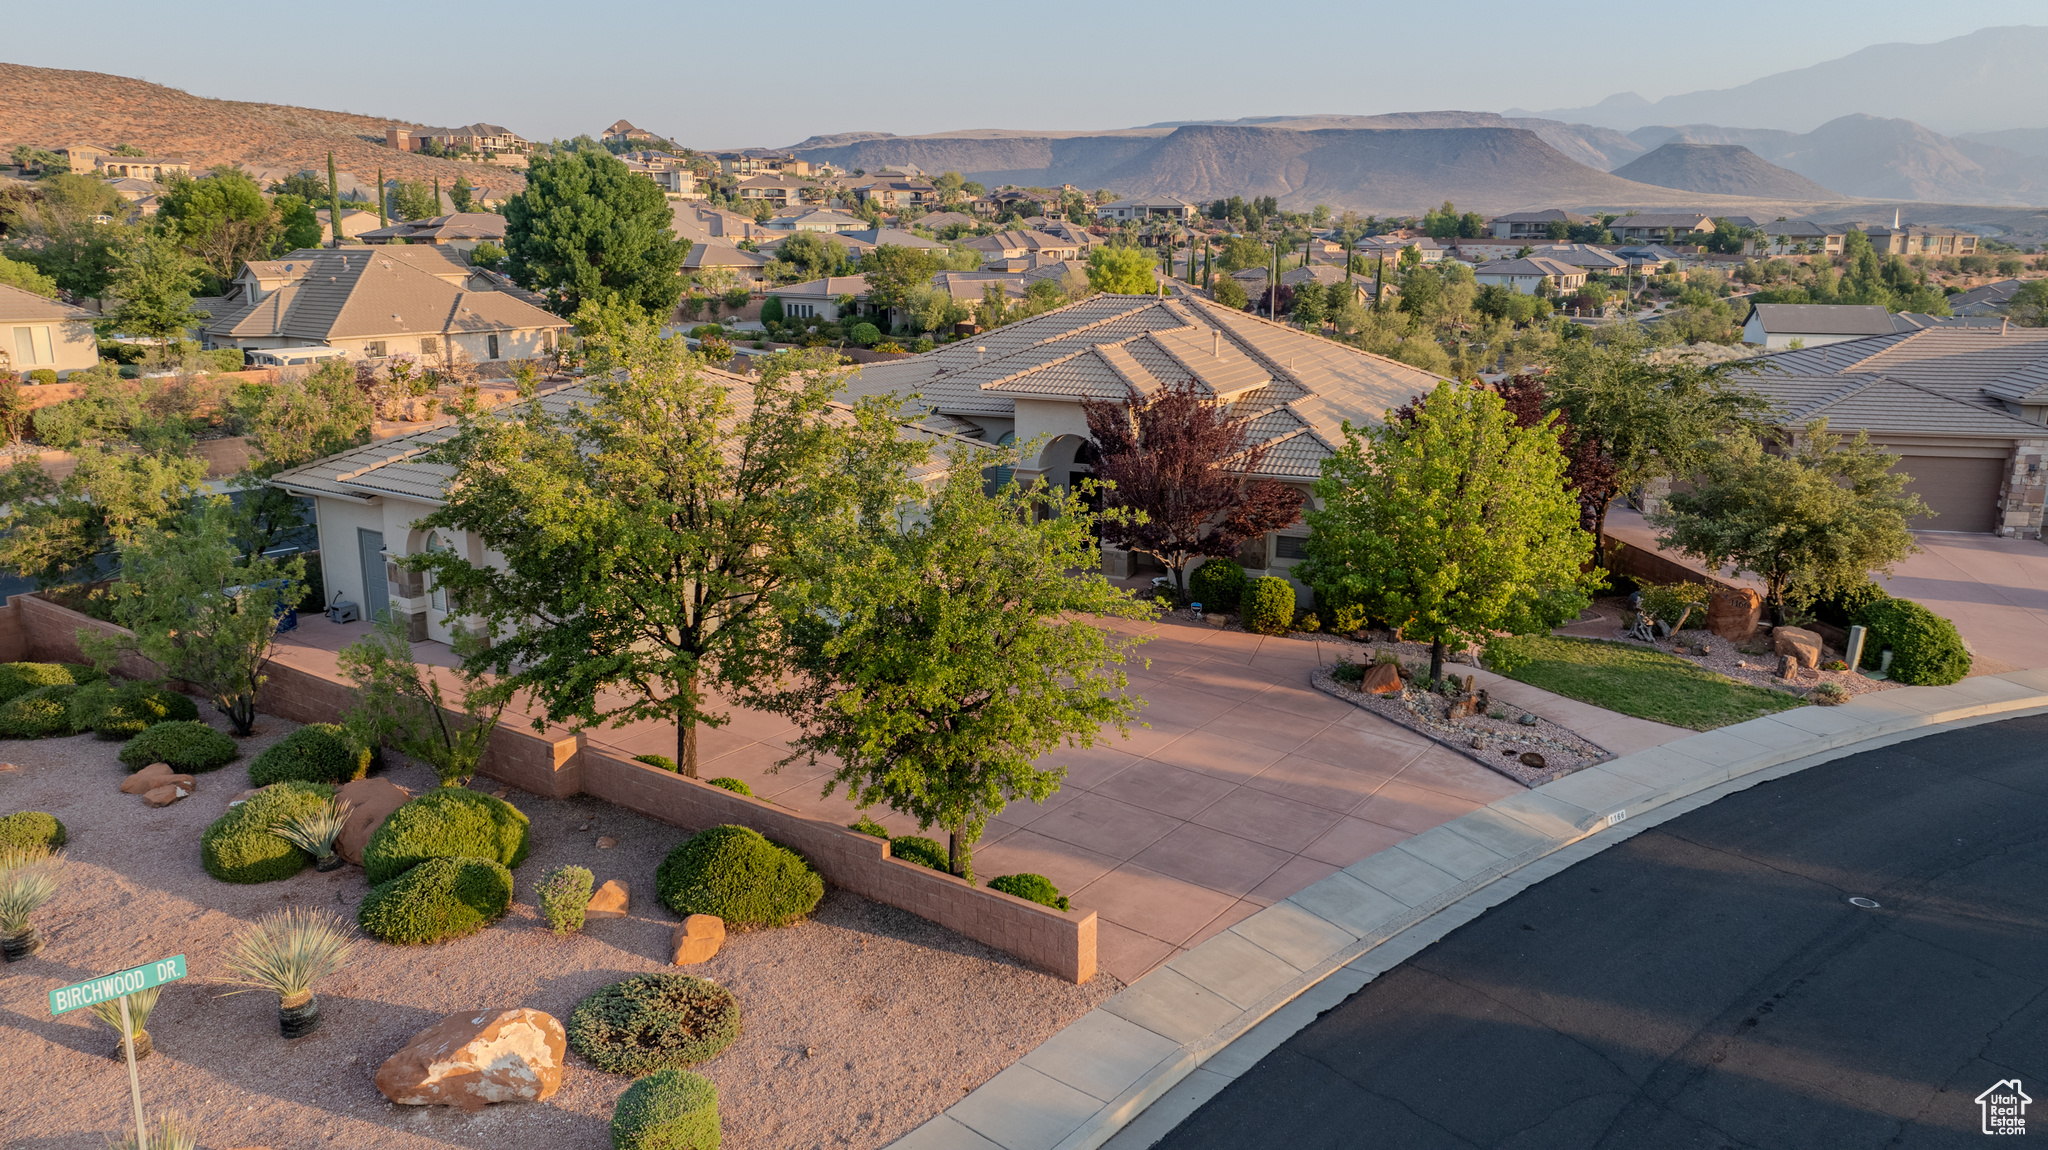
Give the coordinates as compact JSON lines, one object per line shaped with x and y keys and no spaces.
{"x":159,"y":785}
{"x":1381,"y":679}
{"x":1802,"y":646}
{"x":697,"y":939}
{"x":373,"y":800}
{"x":609,"y":901}
{"x":1733,"y":613}
{"x":472,"y":1060}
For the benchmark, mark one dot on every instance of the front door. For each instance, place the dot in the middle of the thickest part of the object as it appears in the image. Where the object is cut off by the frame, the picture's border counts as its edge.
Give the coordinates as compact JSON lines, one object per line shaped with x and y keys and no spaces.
{"x":376,"y":592}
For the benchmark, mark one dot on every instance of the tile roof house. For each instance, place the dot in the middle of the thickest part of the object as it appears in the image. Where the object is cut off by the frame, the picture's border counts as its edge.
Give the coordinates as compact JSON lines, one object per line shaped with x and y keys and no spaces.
{"x":141,"y":167}
{"x":1531,"y":225}
{"x":702,"y":224}
{"x":1015,"y":245}
{"x":1149,"y":208}
{"x":1776,"y":326}
{"x":819,"y":299}
{"x":937,"y":220}
{"x":1533,"y":275}
{"x":372,"y":304}
{"x":460,"y":230}
{"x":902,"y":192}
{"x":624,"y":130}
{"x":1026,"y":381}
{"x":41,"y":334}
{"x":1803,"y":237}
{"x":1990,"y":299}
{"x":1966,"y":408}
{"x":816,"y":220}
{"x":1650,"y":227}
{"x":749,"y":267}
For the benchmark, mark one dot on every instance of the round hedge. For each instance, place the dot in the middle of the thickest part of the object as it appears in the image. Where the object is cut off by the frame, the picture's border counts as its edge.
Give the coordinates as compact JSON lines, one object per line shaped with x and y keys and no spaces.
{"x":17,"y":679}
{"x":922,"y":851}
{"x":190,"y":748}
{"x":667,"y":1110}
{"x":315,"y":753}
{"x":654,"y":1022}
{"x":736,"y":786}
{"x":448,"y":823}
{"x":1269,"y":606}
{"x":39,"y":714}
{"x":739,"y":876}
{"x":31,"y":829}
{"x":239,"y":847}
{"x":1218,"y":585}
{"x":437,"y":900}
{"x":1032,"y":887}
{"x":124,"y":710}
{"x":1927,"y":651}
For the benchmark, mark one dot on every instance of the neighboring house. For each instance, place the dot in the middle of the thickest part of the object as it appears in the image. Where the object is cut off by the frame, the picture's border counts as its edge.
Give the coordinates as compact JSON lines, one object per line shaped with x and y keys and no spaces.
{"x":702,"y":225}
{"x":1918,"y":240}
{"x":1532,"y":226}
{"x":817,"y":220}
{"x":748,"y":268}
{"x":141,"y":167}
{"x":1390,"y":247}
{"x":480,"y":139}
{"x":1037,"y":246}
{"x":675,"y":182}
{"x":259,"y":278}
{"x":1535,"y":275}
{"x":460,"y":230}
{"x":1024,"y":383}
{"x":1326,"y":275}
{"x":779,"y":190}
{"x":901,"y":192}
{"x":1149,"y":208}
{"x":868,"y":239}
{"x":1965,"y":408}
{"x":937,"y":220}
{"x":1803,"y":237}
{"x":1650,"y":259}
{"x":84,"y":158}
{"x":368,"y":503}
{"x":133,"y":190}
{"x":1653,"y":227}
{"x":1587,"y":258}
{"x":354,"y":223}
{"x":818,"y":301}
{"x":623,"y":131}
{"x":373,"y":303}
{"x":1990,"y":299}
{"x":39,"y":334}
{"x":1485,"y":248}
{"x":1775,"y":326}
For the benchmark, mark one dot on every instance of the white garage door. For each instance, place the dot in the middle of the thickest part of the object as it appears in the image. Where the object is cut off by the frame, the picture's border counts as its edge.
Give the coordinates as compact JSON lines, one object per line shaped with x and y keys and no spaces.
{"x":1963,"y":493}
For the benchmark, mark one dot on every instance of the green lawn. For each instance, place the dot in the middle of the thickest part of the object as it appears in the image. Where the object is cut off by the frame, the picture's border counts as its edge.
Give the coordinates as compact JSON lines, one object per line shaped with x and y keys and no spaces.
{"x":1638,"y":681}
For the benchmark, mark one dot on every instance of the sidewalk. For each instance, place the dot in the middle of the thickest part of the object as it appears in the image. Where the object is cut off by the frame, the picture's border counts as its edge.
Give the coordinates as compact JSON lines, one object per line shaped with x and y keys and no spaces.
{"x":1091,"y":1080}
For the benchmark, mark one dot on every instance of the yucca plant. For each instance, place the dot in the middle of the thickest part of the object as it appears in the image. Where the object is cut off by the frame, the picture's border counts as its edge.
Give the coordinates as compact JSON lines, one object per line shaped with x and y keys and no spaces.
{"x":140,"y":1004}
{"x":286,"y":952}
{"x":166,"y":1133}
{"x":28,"y":879}
{"x":315,"y":831}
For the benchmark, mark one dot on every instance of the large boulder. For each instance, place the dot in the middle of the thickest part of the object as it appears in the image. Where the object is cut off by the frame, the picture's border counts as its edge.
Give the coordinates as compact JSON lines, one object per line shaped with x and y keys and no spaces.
{"x":697,"y":938}
{"x":472,"y":1060}
{"x":1381,"y":679}
{"x":1800,"y":645}
{"x":610,"y":901}
{"x":374,"y":800}
{"x":157,"y":775}
{"x":1733,"y":613}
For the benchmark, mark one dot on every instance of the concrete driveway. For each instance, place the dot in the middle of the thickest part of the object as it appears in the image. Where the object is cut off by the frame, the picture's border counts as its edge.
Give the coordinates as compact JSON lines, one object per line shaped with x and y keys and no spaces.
{"x":1995,"y":589}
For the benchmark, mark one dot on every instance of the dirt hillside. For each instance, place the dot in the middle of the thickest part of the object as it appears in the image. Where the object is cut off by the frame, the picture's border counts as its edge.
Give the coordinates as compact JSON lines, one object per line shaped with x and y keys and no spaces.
{"x":1724,"y":169}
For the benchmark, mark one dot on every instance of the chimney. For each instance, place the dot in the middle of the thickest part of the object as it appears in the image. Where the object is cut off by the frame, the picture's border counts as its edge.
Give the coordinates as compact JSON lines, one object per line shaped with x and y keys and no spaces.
{"x":1895,"y":219}
{"x":1216,"y":342}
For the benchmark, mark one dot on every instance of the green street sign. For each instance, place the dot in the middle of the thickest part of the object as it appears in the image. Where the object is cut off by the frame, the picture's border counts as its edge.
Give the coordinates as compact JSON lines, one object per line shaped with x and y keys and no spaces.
{"x":111,"y":986}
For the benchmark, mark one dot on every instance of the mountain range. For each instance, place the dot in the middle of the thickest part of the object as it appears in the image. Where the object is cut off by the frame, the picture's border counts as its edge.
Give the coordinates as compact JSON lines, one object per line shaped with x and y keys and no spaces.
{"x":1723,"y":169}
{"x":1878,"y":158}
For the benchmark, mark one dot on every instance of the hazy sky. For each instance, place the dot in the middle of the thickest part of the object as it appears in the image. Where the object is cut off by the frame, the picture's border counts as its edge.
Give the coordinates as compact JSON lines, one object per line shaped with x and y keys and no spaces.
{"x":771,"y":74}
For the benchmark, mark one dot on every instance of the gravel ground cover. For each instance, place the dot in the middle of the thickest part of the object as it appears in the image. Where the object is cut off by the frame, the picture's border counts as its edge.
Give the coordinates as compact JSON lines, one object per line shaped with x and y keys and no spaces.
{"x":857,"y":1025}
{"x":1756,"y":666}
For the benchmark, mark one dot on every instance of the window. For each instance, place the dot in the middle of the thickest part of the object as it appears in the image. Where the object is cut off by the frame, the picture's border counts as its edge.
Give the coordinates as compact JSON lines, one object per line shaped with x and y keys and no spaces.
{"x":374,"y":349}
{"x":1290,"y":547}
{"x":492,"y":341}
{"x":439,"y":596}
{"x":430,"y":345}
{"x":32,"y":347}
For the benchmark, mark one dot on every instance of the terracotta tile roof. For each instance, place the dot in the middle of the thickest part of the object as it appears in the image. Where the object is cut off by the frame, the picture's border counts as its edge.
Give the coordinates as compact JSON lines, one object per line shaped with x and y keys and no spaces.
{"x":355,"y":293}
{"x":1879,"y":403}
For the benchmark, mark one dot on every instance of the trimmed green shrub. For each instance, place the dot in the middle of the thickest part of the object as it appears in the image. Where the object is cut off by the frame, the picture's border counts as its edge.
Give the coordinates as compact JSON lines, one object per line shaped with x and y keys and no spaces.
{"x":1032,"y":887}
{"x":189,"y":747}
{"x":662,"y":761}
{"x":1927,"y":651}
{"x":83,"y":673}
{"x":437,"y":900}
{"x":564,"y":896}
{"x":31,"y":829}
{"x":20,"y":678}
{"x":667,"y":1110}
{"x":1346,"y":671}
{"x":736,"y":786}
{"x":1848,"y":607}
{"x":38,"y":714}
{"x":868,"y":826}
{"x":865,"y":334}
{"x":1218,"y":585}
{"x":239,"y":846}
{"x":922,"y":851}
{"x":446,"y":823}
{"x":654,"y":1022}
{"x":123,"y":710}
{"x":315,"y":753}
{"x":1346,"y":618}
{"x":1269,"y":606}
{"x":739,"y":876}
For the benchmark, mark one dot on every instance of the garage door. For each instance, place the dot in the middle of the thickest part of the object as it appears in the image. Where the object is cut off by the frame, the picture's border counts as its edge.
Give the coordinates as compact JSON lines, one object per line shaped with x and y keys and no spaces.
{"x":1962,"y":492}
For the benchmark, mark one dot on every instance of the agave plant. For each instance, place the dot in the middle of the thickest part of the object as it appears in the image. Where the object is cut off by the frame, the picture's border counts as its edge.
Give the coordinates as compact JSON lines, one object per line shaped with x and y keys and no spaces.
{"x":315,"y":831}
{"x":140,"y":1004}
{"x":28,"y":879}
{"x":286,"y":952}
{"x":168,"y":1132}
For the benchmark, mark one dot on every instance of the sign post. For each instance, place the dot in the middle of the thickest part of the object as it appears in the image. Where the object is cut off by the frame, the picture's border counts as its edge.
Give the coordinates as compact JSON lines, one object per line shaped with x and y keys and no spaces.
{"x":120,"y":985}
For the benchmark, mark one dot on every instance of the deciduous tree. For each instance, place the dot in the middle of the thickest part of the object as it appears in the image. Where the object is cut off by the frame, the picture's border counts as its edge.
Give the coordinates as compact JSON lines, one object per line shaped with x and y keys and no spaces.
{"x":587,"y":228}
{"x":1121,"y":271}
{"x":154,"y":279}
{"x":223,"y":220}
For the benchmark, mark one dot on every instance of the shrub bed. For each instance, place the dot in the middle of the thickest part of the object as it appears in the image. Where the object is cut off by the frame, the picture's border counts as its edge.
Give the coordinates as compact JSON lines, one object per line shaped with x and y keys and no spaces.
{"x":18,"y":679}
{"x":31,"y":829}
{"x":189,"y":747}
{"x":667,"y":1110}
{"x":448,"y":823}
{"x":1218,"y":585}
{"x":41,"y":713}
{"x":739,"y":876}
{"x":1269,"y":606}
{"x":654,"y":1022}
{"x":315,"y":753}
{"x":736,"y":786}
{"x":1033,"y":887}
{"x":123,"y":710}
{"x":239,"y":846}
{"x":437,"y":900}
{"x":922,"y":851}
{"x":1927,"y":651}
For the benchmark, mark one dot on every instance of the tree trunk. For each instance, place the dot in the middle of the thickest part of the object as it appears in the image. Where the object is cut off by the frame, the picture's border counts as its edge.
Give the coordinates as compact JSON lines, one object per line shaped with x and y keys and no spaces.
{"x":1600,"y":533}
{"x":241,"y":713}
{"x":686,"y":748}
{"x":1436,"y":661}
{"x":960,"y":852}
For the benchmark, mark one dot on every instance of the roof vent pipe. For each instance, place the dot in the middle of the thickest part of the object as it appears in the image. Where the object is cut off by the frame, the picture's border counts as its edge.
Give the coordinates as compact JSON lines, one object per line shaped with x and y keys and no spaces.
{"x":1216,"y":342}
{"x":2005,"y":326}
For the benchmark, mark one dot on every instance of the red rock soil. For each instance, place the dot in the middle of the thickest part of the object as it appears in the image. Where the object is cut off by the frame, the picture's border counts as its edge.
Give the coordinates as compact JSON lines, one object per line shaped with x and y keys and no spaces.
{"x":859,"y":1024}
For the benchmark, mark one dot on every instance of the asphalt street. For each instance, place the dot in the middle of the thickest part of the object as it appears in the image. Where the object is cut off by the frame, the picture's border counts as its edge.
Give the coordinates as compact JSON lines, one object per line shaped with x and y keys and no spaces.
{"x":1708,"y":983}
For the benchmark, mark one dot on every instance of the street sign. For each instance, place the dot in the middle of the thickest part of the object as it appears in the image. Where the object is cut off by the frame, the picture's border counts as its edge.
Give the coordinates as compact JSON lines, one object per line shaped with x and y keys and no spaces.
{"x":116,"y":985}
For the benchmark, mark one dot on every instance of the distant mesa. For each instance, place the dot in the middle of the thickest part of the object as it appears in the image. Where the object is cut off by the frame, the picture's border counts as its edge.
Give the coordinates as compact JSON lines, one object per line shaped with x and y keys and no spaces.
{"x":1721,"y":169}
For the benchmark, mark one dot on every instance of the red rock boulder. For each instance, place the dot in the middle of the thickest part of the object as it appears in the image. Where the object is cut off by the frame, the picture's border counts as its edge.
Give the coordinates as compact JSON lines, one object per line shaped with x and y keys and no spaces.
{"x":472,"y":1060}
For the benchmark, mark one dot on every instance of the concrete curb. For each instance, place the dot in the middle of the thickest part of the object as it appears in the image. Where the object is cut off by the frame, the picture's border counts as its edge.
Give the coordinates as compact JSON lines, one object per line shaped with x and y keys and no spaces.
{"x":1082,"y":1086}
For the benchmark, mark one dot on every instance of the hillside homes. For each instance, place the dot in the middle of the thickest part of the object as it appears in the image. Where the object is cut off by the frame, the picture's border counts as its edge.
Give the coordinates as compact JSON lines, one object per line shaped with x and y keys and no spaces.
{"x":39,"y":334}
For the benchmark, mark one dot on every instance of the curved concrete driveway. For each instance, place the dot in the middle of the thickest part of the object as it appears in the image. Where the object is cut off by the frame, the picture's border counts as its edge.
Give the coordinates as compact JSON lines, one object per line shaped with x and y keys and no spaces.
{"x":1707,"y":983}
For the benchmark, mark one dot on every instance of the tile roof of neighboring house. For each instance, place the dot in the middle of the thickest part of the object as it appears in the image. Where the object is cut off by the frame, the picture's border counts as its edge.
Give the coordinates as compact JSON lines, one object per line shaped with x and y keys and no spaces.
{"x":1548,"y":215}
{"x":357,"y":294}
{"x":706,"y":225}
{"x":455,"y":226}
{"x":938,"y":220}
{"x":1876,"y":402}
{"x":1018,"y":241}
{"x":1799,"y":229}
{"x":1989,"y":299}
{"x":1683,"y":221}
{"x":396,"y":466}
{"x":896,"y":237}
{"x":1298,"y":388}
{"x":16,"y":304}
{"x":2010,"y":364}
{"x":968,"y":287}
{"x":719,"y":256}
{"x":438,"y":261}
{"x":1529,"y":266}
{"x":1823,"y":318}
{"x":830,"y":287}
{"x":1583,"y":256}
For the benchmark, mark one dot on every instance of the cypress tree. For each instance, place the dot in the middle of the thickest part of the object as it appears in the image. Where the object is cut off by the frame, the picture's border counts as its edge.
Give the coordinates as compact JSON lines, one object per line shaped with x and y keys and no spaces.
{"x":333,"y":199}
{"x":383,"y":220}
{"x":437,"y":195}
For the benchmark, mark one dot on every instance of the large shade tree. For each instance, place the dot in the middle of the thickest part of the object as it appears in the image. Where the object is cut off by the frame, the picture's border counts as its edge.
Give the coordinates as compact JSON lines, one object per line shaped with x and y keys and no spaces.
{"x":1450,"y":523}
{"x":646,"y":535}
{"x":588,"y":229}
{"x":1184,"y":467}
